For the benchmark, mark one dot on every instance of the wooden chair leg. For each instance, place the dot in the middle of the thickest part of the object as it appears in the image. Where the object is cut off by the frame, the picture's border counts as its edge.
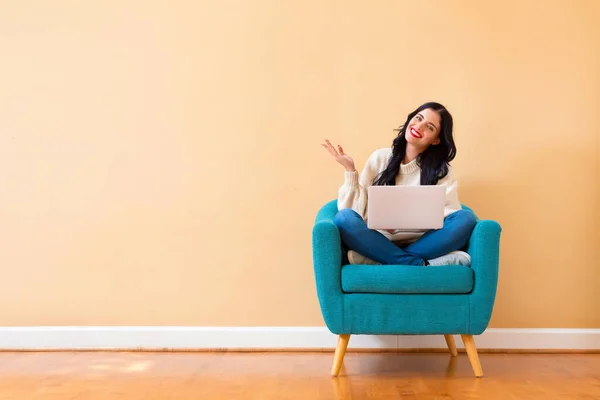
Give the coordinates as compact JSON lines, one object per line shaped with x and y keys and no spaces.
{"x":472,"y":353}
{"x":340,"y":351}
{"x":451,"y":345}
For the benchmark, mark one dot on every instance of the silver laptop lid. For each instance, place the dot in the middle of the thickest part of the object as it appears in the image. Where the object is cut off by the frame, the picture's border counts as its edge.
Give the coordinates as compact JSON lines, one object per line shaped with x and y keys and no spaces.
{"x":407,"y":208}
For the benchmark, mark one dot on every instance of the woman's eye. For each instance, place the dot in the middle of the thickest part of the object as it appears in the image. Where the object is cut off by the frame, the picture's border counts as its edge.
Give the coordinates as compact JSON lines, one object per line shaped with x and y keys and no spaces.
{"x":431,"y":129}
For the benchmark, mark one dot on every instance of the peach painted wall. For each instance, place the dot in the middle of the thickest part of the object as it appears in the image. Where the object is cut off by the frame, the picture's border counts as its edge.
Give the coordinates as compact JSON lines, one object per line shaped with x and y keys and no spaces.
{"x":160,"y":161}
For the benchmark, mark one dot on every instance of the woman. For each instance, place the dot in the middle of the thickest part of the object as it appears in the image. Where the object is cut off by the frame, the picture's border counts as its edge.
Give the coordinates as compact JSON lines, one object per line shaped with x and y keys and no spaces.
{"x":420,"y":155}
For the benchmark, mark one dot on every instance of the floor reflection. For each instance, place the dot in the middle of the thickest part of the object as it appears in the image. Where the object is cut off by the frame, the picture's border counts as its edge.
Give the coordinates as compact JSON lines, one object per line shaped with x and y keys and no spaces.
{"x":342,"y":384}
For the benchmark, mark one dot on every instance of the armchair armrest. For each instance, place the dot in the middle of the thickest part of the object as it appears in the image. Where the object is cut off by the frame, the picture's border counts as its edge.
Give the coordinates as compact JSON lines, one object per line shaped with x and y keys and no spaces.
{"x":327,"y":261}
{"x":484,"y":248}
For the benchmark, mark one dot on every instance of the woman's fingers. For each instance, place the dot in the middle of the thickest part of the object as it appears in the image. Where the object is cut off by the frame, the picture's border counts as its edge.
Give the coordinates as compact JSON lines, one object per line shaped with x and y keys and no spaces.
{"x":330,"y":147}
{"x":341,"y":150}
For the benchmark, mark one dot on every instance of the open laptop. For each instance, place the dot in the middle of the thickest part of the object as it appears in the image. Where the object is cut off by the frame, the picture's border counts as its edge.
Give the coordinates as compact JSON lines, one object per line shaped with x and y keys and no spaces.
{"x":406,"y":208}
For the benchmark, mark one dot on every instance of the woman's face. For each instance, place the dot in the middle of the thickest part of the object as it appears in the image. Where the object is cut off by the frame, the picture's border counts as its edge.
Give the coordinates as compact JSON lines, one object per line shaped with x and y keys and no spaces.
{"x":424,"y":129}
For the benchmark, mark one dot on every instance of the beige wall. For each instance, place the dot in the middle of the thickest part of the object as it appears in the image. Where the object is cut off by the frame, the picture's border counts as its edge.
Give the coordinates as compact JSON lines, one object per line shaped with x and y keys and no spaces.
{"x":160,"y":161}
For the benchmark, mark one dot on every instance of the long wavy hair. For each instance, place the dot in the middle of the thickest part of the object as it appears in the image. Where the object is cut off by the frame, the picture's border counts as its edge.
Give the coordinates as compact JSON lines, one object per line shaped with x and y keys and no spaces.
{"x":434,"y":162}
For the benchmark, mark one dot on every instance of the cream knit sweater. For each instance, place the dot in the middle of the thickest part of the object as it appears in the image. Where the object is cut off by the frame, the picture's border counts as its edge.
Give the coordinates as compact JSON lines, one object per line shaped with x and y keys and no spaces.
{"x":353,"y":193}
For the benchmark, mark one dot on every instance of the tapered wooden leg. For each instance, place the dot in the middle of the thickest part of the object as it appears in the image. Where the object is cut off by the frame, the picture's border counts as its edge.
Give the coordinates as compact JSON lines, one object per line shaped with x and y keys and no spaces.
{"x":340,"y":351}
{"x":472,"y":353}
{"x":451,"y":345}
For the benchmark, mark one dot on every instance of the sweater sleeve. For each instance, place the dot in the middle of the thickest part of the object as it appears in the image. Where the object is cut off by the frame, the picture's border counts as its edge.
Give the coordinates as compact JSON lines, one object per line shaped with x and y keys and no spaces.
{"x":353,"y":193}
{"x":452,"y":201}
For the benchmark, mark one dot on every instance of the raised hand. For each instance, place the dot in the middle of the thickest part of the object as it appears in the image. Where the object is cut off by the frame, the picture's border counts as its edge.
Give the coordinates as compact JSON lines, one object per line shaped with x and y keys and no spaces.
{"x":339,"y":156}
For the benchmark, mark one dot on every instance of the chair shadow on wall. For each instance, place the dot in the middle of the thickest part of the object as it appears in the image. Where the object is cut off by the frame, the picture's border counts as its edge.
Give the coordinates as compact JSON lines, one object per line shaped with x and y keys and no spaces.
{"x":519,"y":208}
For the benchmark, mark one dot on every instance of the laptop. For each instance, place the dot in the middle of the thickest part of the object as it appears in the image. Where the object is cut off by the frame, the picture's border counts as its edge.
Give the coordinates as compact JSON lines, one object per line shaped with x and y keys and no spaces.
{"x":406,"y":208}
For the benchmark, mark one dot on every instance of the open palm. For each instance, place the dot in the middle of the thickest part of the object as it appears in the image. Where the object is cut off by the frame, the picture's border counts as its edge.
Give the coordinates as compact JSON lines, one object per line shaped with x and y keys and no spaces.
{"x":339,"y":156}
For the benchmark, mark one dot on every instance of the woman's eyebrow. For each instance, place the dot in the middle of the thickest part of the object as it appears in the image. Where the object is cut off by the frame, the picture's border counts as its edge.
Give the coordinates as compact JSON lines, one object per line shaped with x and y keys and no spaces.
{"x":430,"y":123}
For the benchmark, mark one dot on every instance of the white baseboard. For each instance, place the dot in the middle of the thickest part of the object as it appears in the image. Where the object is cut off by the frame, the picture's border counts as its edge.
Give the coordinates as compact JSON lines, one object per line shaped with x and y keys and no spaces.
{"x":177,"y":337}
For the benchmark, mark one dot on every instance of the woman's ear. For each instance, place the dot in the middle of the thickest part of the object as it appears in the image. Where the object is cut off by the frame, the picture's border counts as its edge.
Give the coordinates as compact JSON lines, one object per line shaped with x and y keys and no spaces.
{"x":436,"y":141}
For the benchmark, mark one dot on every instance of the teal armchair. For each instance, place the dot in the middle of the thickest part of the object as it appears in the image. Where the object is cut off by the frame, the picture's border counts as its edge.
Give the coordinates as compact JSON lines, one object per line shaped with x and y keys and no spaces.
{"x":402,"y":299}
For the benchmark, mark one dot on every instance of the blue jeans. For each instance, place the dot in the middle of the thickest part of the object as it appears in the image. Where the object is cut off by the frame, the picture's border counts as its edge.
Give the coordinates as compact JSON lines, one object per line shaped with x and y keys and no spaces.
{"x":434,"y":243}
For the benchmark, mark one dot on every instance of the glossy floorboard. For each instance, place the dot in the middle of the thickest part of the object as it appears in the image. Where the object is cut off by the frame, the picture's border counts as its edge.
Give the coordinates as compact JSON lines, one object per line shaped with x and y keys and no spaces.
{"x":264,"y":376}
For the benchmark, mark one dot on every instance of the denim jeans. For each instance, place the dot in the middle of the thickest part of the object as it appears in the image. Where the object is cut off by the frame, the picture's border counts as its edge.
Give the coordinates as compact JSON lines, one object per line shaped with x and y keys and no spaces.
{"x":434,"y":243}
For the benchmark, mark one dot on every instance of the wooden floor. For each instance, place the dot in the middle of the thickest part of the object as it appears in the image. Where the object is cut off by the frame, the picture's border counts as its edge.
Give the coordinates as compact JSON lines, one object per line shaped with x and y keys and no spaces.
{"x":264,"y":376}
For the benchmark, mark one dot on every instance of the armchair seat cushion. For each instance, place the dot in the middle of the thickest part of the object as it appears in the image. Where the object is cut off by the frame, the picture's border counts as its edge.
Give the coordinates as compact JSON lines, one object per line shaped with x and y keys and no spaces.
{"x":395,"y":279}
